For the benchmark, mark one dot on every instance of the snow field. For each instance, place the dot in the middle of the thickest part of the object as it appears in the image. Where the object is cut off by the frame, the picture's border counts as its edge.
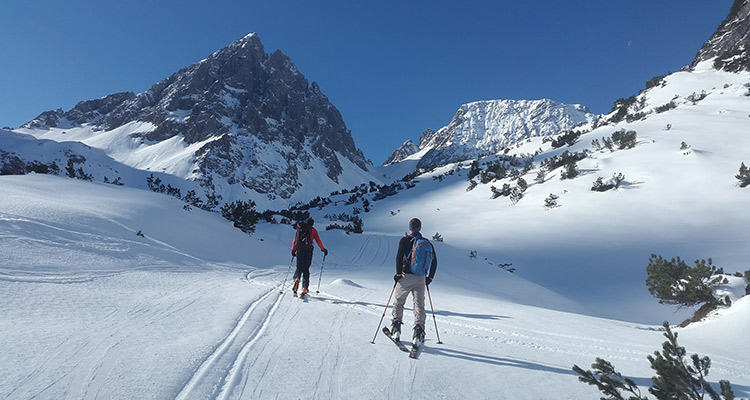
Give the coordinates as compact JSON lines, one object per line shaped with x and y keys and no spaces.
{"x":193,"y":309}
{"x":206,"y":319}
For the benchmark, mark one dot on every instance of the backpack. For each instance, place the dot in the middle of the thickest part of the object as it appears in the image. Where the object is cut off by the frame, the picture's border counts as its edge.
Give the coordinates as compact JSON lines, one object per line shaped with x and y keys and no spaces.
{"x":303,"y":240}
{"x":421,"y":255}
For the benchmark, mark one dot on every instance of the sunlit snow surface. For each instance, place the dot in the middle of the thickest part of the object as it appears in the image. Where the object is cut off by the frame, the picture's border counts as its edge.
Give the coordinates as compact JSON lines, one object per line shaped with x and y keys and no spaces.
{"x":192,"y":309}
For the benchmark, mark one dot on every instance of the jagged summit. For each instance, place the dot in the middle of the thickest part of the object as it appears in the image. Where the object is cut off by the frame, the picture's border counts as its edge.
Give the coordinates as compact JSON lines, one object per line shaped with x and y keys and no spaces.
{"x":405,"y":150}
{"x":256,"y":121}
{"x":729,"y":46}
{"x":487,"y":127}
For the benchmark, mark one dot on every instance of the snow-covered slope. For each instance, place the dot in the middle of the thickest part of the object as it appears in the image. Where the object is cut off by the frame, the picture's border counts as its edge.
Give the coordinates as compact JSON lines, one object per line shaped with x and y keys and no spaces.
{"x":90,"y":309}
{"x":675,"y":200}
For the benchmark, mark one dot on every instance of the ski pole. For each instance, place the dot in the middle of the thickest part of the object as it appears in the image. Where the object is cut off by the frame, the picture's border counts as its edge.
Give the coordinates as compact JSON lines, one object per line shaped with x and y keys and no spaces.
{"x":433,"y":315}
{"x":287,"y":275}
{"x":321,"y":273}
{"x":384,"y":311}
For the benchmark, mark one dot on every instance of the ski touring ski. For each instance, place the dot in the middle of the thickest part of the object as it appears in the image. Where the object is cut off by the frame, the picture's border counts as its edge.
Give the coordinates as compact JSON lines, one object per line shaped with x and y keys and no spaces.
{"x":414,"y":352}
{"x":398,"y":343}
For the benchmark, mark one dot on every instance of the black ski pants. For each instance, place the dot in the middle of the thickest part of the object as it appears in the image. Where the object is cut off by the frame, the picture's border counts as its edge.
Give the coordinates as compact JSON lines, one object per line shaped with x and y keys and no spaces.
{"x":304,"y":259}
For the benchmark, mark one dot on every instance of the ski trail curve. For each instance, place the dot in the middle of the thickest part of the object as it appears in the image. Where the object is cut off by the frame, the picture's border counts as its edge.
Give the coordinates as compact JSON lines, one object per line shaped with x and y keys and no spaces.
{"x":360,"y":252}
{"x":209,"y":380}
{"x":375,"y":248}
{"x":234,"y":377}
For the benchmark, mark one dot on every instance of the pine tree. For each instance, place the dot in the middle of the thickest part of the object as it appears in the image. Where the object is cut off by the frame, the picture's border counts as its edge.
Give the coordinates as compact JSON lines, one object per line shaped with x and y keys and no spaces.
{"x":609,"y":381}
{"x":540,"y":176}
{"x":474,"y":169}
{"x":522,"y":184}
{"x":624,"y":139}
{"x":619,"y":178}
{"x":596,"y":144}
{"x":600,"y":186}
{"x":551,"y":201}
{"x":674,"y":282}
{"x":570,"y":171}
{"x":71,"y":170}
{"x":675,"y":377}
{"x":495,"y":193}
{"x":516,"y":195}
{"x":743,"y":176}
{"x":242,"y":213}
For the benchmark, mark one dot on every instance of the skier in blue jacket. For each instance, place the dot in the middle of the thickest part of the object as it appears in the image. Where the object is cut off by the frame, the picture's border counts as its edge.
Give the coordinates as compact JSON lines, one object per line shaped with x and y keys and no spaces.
{"x":416,"y":263}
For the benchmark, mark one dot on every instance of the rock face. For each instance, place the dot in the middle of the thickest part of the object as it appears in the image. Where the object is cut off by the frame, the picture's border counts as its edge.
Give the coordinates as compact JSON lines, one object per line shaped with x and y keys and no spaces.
{"x":404,"y":151}
{"x":260,"y":124}
{"x":486,"y":127}
{"x":729,"y":46}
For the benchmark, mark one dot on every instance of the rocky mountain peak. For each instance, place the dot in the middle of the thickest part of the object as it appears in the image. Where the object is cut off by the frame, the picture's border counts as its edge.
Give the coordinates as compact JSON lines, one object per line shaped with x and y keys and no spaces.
{"x":405,"y":150}
{"x":260,"y":122}
{"x":487,"y":127}
{"x":729,"y":46}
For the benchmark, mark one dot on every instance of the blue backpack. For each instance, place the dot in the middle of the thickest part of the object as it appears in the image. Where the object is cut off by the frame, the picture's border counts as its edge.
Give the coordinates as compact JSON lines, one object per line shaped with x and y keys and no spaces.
{"x":420,"y":258}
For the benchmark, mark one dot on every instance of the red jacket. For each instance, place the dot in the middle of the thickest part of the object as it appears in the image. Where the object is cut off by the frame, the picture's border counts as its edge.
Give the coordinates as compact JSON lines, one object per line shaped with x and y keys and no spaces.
{"x":314,"y":236}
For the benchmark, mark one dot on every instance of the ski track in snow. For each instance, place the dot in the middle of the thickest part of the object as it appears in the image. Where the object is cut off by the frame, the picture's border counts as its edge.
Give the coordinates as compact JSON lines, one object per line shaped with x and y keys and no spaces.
{"x":243,"y":363}
{"x":246,"y":355}
{"x":218,"y":375}
{"x":375,"y":251}
{"x":406,"y":378}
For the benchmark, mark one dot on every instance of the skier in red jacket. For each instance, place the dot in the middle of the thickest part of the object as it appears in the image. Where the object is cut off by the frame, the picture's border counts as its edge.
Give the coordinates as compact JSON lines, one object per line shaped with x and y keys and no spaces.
{"x":302,"y":248}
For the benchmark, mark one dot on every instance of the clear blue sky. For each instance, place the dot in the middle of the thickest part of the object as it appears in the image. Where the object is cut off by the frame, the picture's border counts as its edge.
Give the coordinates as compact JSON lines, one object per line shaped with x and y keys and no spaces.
{"x":393,"y":68}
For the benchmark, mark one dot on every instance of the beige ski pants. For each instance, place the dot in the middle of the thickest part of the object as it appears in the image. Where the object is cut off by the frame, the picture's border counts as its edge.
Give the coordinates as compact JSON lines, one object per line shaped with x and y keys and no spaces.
{"x":414,"y":284}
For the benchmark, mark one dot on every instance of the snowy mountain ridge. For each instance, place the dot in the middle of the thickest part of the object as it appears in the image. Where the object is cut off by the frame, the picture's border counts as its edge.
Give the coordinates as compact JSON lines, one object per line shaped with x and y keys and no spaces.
{"x":242,"y":124}
{"x":729,"y":47}
{"x":487,"y":127}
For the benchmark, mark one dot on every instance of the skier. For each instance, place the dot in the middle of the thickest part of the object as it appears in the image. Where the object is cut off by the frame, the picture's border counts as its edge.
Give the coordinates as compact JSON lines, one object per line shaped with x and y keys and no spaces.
{"x":416,"y":263}
{"x":302,"y":248}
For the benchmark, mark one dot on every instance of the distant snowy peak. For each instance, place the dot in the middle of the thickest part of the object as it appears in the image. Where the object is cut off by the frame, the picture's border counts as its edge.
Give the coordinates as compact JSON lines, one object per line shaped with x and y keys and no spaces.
{"x":259,"y":124}
{"x":85,"y":112}
{"x":403,"y":152}
{"x":729,"y":47}
{"x":487,"y":127}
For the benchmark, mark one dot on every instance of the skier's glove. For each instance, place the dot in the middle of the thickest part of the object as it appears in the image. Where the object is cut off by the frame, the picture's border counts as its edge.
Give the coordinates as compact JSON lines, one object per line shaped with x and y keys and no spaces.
{"x":325,"y":251}
{"x":294,"y":253}
{"x":427,"y":281}
{"x":397,"y":277}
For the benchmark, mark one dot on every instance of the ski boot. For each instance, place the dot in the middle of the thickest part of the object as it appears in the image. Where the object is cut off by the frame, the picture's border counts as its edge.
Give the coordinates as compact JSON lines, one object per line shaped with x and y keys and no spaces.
{"x":418,"y":337}
{"x":296,"y":286}
{"x":396,"y":330}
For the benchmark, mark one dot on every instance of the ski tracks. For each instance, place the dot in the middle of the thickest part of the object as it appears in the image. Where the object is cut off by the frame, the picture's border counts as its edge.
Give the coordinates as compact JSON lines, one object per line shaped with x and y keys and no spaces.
{"x":222,"y":370}
{"x":375,"y":248}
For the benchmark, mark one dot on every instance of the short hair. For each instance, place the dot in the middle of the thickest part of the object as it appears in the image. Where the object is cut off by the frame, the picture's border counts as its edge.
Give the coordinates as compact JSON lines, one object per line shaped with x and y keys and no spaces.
{"x":415,"y":224}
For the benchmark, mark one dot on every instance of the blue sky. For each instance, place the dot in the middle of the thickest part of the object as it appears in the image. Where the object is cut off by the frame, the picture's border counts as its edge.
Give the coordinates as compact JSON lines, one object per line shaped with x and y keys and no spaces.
{"x":393,"y":68}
